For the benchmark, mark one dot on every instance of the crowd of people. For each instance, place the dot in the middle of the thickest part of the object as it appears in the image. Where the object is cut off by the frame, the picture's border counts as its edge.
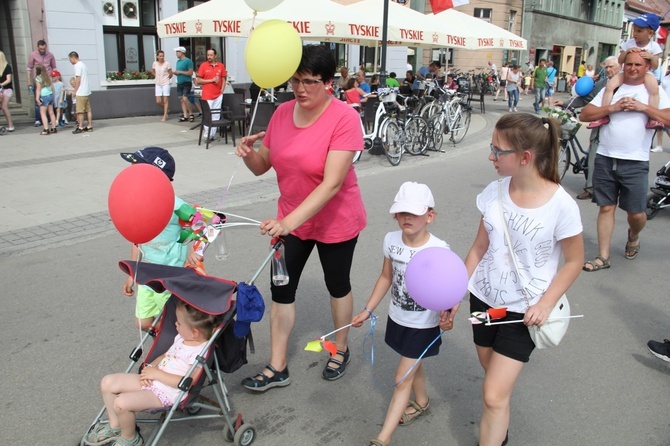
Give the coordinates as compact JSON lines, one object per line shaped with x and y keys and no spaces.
{"x":323,"y":191}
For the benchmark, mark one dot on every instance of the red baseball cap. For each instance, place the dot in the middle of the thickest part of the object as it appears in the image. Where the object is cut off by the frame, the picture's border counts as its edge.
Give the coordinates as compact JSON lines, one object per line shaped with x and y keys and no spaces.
{"x":55,"y":73}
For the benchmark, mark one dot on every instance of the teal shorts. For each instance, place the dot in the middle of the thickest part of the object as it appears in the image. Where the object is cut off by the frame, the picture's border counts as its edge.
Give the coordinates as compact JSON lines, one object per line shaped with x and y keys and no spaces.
{"x":149,"y":302}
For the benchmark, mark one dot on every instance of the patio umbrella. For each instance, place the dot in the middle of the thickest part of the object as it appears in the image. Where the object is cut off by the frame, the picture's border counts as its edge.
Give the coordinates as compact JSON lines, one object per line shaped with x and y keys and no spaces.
{"x":450,"y":28}
{"x":322,"y":20}
{"x":476,"y":34}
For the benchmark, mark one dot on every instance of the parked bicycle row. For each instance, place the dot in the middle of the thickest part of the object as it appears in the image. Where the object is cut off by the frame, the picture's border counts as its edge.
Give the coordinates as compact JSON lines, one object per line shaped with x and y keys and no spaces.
{"x":415,"y":124}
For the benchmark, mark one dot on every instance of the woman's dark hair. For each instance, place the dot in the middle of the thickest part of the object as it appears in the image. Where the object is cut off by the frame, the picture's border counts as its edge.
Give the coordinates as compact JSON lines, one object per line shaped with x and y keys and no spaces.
{"x":160,"y":52}
{"x":524,"y":131}
{"x":317,"y":60}
{"x":351,"y":82}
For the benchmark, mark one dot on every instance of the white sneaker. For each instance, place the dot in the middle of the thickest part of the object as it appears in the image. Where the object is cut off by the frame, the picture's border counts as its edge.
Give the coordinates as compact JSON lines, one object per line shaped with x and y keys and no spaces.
{"x":510,"y":109}
{"x":656,"y":149}
{"x":10,"y":129}
{"x":514,"y":108}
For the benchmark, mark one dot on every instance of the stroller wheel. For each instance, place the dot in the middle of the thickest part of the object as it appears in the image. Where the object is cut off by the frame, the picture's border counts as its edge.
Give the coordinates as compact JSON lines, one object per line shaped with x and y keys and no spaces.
{"x":3,"y":130}
{"x":245,"y":435}
{"x":192,"y":410}
{"x":228,"y":435}
{"x":653,"y":206}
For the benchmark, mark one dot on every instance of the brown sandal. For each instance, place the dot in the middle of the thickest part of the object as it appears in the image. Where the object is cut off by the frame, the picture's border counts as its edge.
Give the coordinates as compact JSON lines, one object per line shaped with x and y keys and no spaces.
{"x":376,"y":442}
{"x":604,"y":264}
{"x":633,"y":250}
{"x":44,"y":132}
{"x":408,"y":418}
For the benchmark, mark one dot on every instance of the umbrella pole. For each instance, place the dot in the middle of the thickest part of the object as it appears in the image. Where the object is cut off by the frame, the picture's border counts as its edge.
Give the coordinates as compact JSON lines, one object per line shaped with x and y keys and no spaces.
{"x":385,"y":33}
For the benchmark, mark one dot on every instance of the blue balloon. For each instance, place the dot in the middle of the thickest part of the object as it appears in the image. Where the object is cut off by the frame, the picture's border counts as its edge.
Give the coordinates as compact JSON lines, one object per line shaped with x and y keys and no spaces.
{"x":584,"y":86}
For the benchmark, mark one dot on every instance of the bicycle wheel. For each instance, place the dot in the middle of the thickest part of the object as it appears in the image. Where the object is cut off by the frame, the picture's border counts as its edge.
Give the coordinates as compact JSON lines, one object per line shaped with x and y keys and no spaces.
{"x":430,"y":109}
{"x":416,"y":135}
{"x":393,"y":139}
{"x":435,"y":131}
{"x":563,"y":159}
{"x":461,"y":125}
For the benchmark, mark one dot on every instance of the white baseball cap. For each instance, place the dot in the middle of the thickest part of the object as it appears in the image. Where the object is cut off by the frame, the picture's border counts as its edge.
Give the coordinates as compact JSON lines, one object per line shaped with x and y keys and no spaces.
{"x":181,"y":49}
{"x":414,"y":198}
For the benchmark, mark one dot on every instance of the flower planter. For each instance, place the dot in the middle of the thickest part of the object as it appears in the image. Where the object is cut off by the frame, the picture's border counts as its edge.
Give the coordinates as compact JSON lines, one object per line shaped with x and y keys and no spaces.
{"x":127,"y":83}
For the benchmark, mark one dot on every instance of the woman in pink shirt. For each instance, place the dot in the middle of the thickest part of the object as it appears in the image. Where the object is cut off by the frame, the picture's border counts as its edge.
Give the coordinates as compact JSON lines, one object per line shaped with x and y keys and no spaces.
{"x":310,"y":143}
{"x":163,"y":73}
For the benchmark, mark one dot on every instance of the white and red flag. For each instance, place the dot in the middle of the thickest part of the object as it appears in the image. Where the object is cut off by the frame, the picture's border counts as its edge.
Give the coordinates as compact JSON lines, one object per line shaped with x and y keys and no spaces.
{"x":442,"y":5}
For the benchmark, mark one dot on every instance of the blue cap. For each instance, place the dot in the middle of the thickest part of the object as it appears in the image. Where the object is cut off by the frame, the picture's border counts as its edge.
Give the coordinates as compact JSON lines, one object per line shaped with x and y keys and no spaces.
{"x":156,"y":156}
{"x":647,"y":21}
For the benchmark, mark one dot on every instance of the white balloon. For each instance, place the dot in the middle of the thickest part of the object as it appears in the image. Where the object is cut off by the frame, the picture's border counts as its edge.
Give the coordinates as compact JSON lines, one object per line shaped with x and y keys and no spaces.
{"x":262,"y":5}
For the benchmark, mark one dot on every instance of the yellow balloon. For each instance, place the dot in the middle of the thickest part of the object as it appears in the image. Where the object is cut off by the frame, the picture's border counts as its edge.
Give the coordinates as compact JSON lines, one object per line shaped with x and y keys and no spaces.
{"x":273,"y":53}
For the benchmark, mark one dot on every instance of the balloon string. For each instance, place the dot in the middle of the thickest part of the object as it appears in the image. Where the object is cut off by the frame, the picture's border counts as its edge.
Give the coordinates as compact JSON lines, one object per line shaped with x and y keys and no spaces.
{"x":230,"y":182}
{"x":419,"y":359}
{"x":370,"y":336}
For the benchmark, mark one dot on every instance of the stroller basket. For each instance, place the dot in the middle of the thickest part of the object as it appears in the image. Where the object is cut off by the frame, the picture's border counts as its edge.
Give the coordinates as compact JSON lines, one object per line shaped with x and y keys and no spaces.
{"x":210,"y":295}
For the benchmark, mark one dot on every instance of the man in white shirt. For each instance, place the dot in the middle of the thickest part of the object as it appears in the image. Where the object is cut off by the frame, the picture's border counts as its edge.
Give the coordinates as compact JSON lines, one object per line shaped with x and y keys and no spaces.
{"x":82,"y":91}
{"x":622,"y":160}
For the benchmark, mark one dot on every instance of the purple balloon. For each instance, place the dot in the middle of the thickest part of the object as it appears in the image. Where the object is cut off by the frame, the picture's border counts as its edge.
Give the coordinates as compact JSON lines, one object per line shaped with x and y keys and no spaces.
{"x":436,"y":278}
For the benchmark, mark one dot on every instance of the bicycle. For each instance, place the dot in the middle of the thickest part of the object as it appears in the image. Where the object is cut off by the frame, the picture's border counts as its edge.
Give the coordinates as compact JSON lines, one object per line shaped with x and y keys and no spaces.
{"x":386,"y":129}
{"x":454,"y":116}
{"x":570,"y":145}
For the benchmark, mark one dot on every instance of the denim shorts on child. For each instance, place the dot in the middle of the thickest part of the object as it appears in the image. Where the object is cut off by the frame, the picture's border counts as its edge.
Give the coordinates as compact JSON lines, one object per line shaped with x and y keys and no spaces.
{"x":625,"y":182}
{"x":47,"y":100}
{"x":149,"y":302}
{"x":411,"y":342}
{"x":510,"y":340}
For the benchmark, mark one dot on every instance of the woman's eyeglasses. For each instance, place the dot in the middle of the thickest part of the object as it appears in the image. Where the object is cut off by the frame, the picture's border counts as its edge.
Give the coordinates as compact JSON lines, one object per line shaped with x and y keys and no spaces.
{"x":497,"y":152}
{"x":305,"y":82}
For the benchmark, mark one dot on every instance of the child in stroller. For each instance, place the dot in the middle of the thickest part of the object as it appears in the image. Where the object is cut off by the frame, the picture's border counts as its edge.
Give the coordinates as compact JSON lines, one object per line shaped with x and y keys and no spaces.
{"x":156,"y":385}
{"x":660,"y":196}
{"x":200,"y":311}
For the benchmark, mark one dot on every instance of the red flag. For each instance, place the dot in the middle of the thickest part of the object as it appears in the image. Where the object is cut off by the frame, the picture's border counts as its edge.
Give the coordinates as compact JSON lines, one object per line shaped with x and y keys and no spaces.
{"x":442,"y":5}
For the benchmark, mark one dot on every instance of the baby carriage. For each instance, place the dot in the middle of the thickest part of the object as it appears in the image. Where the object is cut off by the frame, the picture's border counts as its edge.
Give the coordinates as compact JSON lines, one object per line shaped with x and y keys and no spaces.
{"x":660,"y":196}
{"x":223,"y":352}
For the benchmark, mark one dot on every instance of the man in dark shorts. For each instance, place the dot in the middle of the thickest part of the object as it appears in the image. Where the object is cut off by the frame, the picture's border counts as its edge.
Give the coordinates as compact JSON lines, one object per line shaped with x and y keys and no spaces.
{"x":621,"y":168}
{"x":184,"y":72}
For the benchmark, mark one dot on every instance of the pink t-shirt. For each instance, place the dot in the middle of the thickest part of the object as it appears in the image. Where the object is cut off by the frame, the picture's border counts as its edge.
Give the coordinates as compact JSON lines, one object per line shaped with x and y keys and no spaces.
{"x":161,"y":73}
{"x":298,"y":156}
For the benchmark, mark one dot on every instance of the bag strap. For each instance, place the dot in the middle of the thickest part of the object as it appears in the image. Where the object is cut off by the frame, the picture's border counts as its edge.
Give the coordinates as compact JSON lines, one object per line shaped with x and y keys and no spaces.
{"x":509,"y":243}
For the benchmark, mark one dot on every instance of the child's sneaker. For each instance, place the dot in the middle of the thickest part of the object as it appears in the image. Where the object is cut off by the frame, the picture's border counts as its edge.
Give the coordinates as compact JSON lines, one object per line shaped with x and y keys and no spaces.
{"x":597,"y":123}
{"x":656,"y":149}
{"x":656,"y":125}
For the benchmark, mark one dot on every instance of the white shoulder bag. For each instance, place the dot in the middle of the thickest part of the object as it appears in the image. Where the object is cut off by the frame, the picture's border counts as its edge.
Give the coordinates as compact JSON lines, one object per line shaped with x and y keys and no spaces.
{"x":552,"y":331}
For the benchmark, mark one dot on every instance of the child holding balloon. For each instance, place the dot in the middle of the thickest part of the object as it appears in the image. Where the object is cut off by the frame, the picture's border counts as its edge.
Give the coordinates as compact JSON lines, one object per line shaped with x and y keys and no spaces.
{"x":164,"y":249}
{"x":543,"y":222}
{"x":410,"y":328}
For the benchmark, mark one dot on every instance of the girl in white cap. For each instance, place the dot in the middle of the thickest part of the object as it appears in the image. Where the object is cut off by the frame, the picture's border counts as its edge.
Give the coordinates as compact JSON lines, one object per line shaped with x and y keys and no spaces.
{"x":410,"y":327}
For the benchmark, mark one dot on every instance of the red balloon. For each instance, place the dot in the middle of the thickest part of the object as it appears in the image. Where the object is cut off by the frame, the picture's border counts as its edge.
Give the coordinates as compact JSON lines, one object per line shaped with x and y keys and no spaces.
{"x":141,"y":202}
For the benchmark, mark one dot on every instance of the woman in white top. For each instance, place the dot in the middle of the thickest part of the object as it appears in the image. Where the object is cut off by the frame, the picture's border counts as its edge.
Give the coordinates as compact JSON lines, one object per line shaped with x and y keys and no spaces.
{"x":163,"y":74}
{"x":544,"y":224}
{"x":512,"y":87}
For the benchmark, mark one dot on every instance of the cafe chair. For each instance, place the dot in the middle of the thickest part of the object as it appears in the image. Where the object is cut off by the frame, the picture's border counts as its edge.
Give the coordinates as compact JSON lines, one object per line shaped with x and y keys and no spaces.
{"x":477,"y":97}
{"x":263,"y":115}
{"x":235,"y":103}
{"x":240,"y":90}
{"x":224,"y":124}
{"x":369,"y":111}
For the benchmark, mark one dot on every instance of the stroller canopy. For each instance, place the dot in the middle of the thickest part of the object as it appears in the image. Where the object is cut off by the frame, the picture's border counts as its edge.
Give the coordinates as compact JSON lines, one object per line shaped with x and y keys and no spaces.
{"x":208,"y":294}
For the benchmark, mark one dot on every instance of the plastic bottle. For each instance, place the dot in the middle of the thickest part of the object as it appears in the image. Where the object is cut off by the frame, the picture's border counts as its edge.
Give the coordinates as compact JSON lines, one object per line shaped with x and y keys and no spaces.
{"x":279,"y":272}
{"x":220,"y":246}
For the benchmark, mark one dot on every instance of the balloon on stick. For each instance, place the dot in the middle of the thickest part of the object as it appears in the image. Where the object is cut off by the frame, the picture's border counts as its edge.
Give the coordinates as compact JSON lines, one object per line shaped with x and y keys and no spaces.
{"x":436,"y":278}
{"x":584,"y":86}
{"x":140,"y":202}
{"x":272,"y":53}
{"x":262,"y":5}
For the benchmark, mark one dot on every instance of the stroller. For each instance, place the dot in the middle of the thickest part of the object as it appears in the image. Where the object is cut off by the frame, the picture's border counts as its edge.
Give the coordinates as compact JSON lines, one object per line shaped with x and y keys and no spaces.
{"x":224,"y":352}
{"x":660,"y":196}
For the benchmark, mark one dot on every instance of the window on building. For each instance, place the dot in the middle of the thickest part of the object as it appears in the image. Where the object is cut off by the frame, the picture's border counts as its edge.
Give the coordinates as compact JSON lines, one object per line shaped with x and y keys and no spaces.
{"x":510,"y":22}
{"x":129,"y":34}
{"x":484,"y":14}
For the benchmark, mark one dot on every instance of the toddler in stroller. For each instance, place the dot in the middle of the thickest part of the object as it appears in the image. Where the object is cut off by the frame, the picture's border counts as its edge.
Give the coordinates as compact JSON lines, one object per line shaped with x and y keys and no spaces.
{"x":660,"y":196}
{"x":186,"y":356}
